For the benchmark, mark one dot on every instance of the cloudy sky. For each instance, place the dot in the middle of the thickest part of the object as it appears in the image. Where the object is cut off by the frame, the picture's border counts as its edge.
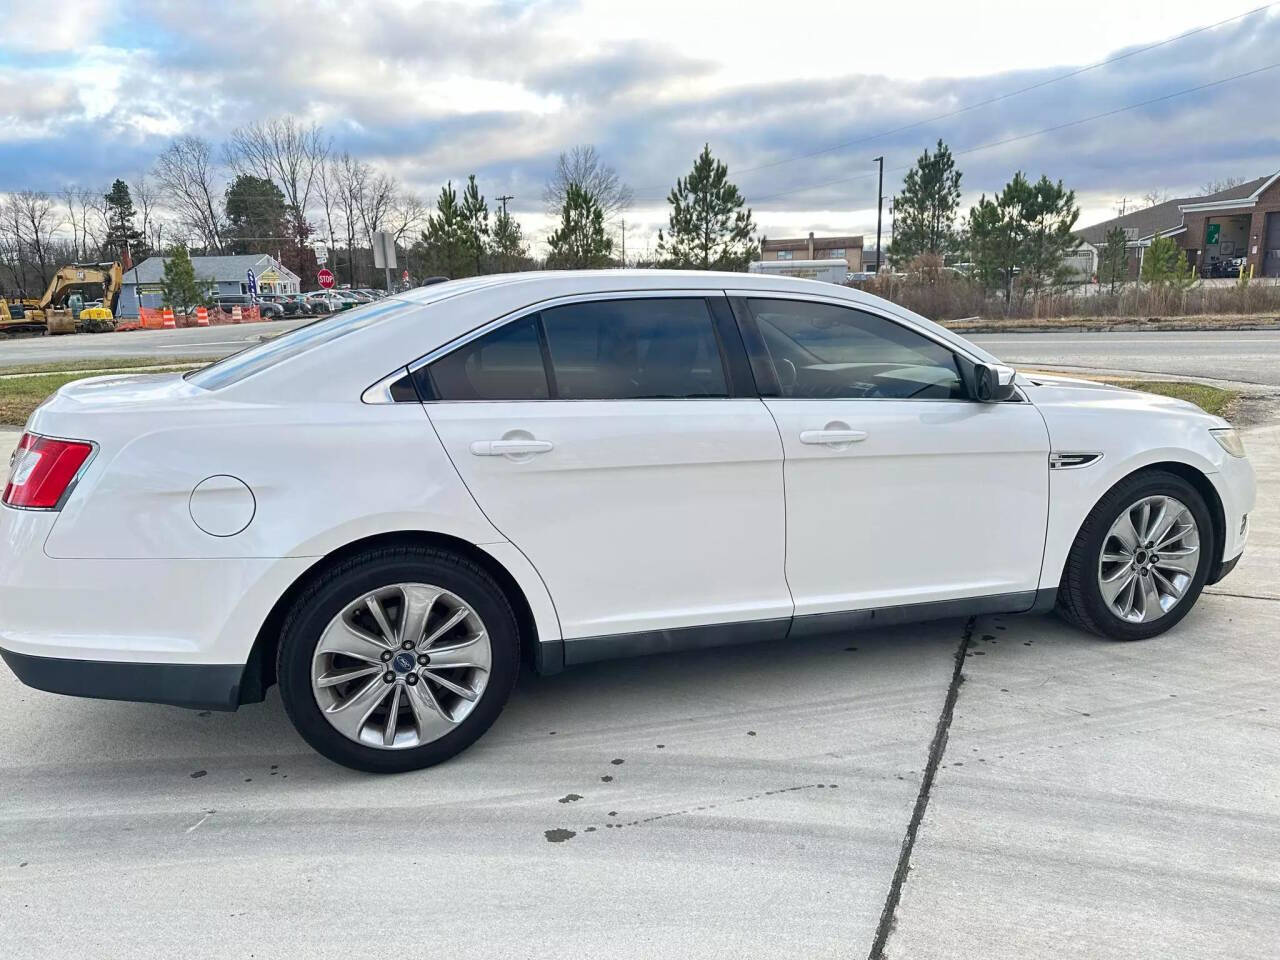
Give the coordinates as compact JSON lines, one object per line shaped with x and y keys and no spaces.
{"x":797,"y":98}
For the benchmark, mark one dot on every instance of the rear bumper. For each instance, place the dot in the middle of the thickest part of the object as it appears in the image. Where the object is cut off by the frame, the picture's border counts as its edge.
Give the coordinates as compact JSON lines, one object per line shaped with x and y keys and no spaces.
{"x":199,"y":686}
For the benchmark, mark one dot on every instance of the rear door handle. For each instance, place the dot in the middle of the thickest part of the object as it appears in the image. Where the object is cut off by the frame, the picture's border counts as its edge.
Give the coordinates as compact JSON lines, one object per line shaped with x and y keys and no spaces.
{"x":819,"y":437}
{"x":509,"y":448}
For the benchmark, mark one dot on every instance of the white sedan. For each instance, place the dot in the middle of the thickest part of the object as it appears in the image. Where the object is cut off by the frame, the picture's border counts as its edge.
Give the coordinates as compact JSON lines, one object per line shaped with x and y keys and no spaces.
{"x":387,"y":511}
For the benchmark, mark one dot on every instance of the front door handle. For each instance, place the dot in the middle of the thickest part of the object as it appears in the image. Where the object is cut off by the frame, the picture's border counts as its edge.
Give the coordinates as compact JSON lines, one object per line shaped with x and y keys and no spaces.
{"x":510,"y":448}
{"x":844,"y":436}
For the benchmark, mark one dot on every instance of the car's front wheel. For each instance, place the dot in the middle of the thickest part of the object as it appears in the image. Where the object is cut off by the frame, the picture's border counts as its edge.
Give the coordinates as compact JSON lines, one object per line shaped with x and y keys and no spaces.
{"x":398,"y":658}
{"x":1140,"y":559}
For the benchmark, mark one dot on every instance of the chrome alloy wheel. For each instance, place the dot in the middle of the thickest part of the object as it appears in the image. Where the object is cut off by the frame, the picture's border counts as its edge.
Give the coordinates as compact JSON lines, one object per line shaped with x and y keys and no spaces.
{"x":401,"y":666}
{"x":1149,"y":559}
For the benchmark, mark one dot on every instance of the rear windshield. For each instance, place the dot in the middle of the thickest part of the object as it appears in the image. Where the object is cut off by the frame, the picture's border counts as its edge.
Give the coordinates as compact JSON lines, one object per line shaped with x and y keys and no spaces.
{"x":257,"y":358}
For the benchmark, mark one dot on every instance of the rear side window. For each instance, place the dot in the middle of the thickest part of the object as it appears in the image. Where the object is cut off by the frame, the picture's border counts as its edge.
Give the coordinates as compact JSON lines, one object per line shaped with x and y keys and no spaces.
{"x":634,"y":350}
{"x":503,"y":365}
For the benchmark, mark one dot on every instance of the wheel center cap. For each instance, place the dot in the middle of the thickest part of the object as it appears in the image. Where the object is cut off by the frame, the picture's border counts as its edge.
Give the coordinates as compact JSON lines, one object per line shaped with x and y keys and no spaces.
{"x":1142,"y":556}
{"x":404,"y":662}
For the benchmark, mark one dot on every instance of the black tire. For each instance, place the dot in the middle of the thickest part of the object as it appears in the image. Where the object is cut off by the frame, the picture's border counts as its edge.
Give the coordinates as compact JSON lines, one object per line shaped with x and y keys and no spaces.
{"x":1080,"y":600}
{"x":346,"y":581}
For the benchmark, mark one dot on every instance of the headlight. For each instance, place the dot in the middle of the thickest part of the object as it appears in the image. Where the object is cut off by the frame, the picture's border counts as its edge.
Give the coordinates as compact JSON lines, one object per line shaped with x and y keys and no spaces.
{"x":1229,"y":440}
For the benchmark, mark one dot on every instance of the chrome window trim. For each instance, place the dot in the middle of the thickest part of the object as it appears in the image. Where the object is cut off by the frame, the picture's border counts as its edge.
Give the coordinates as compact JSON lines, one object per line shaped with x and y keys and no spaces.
{"x":528,"y":309}
{"x":380,"y":392}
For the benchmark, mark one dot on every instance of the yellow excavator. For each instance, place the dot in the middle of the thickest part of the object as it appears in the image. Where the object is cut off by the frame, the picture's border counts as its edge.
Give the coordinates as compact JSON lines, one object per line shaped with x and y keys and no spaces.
{"x":62,"y":308}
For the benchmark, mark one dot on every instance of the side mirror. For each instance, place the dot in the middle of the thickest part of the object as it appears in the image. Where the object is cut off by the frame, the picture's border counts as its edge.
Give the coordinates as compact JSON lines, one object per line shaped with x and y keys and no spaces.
{"x":993,"y":382}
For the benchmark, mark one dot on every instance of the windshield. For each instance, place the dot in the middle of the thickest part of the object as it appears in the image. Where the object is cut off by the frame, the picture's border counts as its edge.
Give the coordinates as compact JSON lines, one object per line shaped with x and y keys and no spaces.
{"x":257,"y":358}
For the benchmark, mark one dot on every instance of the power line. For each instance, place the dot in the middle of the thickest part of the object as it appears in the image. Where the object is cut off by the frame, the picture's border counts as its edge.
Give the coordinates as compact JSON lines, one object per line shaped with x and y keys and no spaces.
{"x":1034,"y":133}
{"x":998,"y":98}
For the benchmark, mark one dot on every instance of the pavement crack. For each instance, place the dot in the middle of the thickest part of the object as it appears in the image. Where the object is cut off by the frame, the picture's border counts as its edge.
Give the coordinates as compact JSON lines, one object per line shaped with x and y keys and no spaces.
{"x":937,"y":747}
{"x":1240,"y":596}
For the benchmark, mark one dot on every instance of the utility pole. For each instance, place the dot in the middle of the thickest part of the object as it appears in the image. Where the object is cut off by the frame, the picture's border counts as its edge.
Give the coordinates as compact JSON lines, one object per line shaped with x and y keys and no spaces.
{"x":879,"y":209}
{"x":624,"y":242}
{"x":506,"y":265}
{"x":504,"y":204}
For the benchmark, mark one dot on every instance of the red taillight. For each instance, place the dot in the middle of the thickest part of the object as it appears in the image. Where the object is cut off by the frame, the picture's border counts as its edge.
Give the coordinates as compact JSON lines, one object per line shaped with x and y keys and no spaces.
{"x":42,"y":469}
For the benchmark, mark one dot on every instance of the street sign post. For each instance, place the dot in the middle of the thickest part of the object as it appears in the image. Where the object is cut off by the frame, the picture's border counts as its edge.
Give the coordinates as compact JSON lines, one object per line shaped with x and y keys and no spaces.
{"x":325,"y":278}
{"x":384,"y":253}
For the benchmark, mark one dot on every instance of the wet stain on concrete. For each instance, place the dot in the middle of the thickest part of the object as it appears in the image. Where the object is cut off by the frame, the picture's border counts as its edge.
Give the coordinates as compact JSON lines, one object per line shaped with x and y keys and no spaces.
{"x":570,"y":798}
{"x":558,"y":835}
{"x":606,"y":779}
{"x":199,"y":773}
{"x":617,"y":761}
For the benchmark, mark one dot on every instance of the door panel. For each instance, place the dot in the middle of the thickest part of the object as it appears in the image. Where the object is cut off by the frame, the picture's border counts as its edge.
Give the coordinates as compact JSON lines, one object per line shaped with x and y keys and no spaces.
{"x":913,"y":501}
{"x":640,"y":514}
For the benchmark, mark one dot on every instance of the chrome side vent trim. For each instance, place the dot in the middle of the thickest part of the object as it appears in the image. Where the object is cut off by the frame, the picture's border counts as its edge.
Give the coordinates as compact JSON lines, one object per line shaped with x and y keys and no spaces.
{"x":1071,"y":459}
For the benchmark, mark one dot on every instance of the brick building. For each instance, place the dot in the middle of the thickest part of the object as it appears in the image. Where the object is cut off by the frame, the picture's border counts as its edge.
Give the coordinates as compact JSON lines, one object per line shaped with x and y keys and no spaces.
{"x":1242,"y":221}
{"x":848,"y":249}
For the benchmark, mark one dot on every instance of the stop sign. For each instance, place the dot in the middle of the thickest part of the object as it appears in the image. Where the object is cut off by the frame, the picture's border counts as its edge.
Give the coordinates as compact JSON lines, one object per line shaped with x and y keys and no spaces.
{"x":325,"y":278}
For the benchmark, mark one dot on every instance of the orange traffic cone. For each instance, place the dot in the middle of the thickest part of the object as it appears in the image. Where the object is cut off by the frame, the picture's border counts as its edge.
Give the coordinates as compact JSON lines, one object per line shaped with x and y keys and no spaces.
{"x":202,"y":316}
{"x":169,"y":323}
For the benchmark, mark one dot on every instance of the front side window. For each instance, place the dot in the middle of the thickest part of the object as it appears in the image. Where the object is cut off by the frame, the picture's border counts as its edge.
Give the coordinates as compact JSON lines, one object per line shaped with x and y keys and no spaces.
{"x":822,"y":352}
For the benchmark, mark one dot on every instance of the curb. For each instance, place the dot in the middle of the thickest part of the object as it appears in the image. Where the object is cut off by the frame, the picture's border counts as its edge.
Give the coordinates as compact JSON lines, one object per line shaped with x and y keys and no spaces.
{"x":1113,"y":327}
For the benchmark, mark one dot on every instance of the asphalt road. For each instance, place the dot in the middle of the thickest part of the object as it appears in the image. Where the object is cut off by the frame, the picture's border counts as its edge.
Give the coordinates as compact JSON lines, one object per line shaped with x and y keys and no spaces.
{"x":211,"y":342}
{"x":1242,"y":356}
{"x":1091,"y":800}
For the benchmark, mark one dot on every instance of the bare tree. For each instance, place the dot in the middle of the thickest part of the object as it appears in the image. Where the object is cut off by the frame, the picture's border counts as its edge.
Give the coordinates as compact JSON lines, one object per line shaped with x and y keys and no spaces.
{"x":1153,"y":198}
{"x":583,"y":167}
{"x":350,"y":176}
{"x":408,"y":212}
{"x":377,"y":200}
{"x":36,"y":222}
{"x":143,"y":190}
{"x":185,"y":173}
{"x":285,"y":152}
{"x":1226,"y":183}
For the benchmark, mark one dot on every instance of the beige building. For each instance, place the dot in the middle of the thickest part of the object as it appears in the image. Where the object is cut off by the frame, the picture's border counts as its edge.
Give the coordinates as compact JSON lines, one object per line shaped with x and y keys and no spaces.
{"x":848,"y":249}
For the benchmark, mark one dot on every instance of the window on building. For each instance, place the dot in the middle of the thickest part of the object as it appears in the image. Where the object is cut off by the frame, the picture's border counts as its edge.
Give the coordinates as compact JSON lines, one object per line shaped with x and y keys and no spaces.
{"x":785,"y":254}
{"x":836,"y":252}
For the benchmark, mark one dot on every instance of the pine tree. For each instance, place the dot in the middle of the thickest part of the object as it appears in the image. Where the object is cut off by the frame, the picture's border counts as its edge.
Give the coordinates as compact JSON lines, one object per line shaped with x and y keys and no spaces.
{"x":1025,"y":231}
{"x":257,"y":218}
{"x":709,"y":229}
{"x":1113,"y":264}
{"x":447,"y":246}
{"x":580,"y":242}
{"x":925,"y":212}
{"x":475,"y":214}
{"x":1049,"y":213}
{"x":1165,"y":264}
{"x":121,"y":232}
{"x":507,"y":247}
{"x":180,"y":287}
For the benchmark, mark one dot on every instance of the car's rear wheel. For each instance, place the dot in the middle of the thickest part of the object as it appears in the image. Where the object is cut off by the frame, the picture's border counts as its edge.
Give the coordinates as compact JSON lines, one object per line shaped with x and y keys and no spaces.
{"x":1140,"y":559}
{"x":398,"y":658}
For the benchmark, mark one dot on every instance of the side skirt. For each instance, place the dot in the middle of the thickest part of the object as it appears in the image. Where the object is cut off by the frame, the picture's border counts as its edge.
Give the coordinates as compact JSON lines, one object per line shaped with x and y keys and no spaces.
{"x":555,"y":655}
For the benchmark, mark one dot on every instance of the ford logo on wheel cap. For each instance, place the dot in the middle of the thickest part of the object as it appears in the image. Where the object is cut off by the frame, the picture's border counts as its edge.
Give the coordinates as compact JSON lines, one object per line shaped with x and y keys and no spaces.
{"x":404,"y":662}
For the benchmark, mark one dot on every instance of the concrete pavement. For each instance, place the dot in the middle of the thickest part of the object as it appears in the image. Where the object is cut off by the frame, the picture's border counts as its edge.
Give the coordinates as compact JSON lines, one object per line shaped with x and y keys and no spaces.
{"x":1092,"y":799}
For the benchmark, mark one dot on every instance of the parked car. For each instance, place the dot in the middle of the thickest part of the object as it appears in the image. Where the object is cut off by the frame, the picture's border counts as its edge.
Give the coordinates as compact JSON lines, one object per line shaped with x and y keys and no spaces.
{"x":1226,"y":267}
{"x":317,"y":303}
{"x":388,"y":510}
{"x":290,"y":304}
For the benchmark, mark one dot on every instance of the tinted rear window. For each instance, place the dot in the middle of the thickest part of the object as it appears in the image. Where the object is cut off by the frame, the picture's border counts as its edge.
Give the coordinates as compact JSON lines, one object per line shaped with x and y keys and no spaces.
{"x":257,"y":358}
